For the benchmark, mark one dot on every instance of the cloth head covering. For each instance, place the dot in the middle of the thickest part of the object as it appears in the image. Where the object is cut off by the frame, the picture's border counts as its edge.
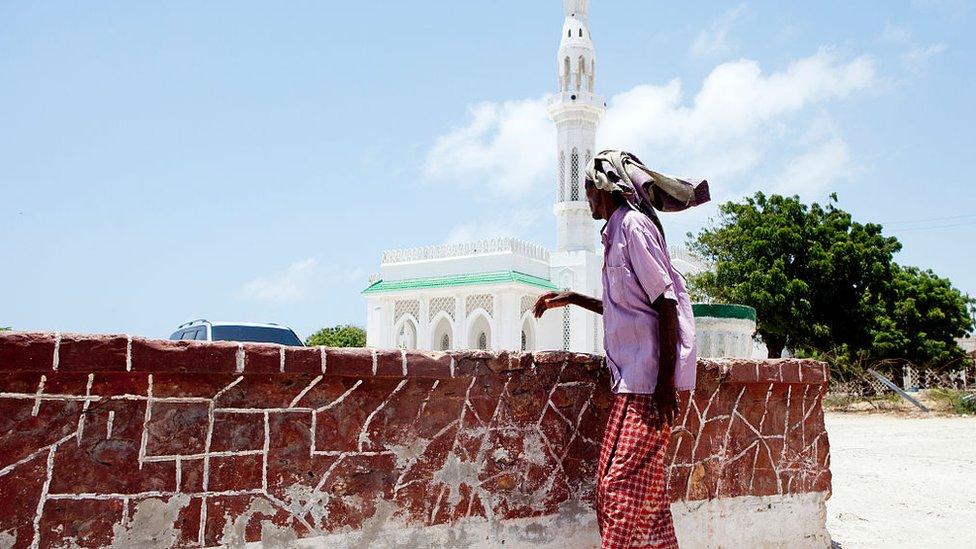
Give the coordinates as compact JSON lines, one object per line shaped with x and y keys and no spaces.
{"x":644,"y":189}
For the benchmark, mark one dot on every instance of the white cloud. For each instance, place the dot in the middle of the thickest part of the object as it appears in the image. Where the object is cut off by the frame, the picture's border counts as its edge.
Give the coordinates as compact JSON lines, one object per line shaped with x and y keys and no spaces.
{"x":714,"y":39}
{"x":916,"y":57}
{"x":299,"y":281}
{"x":517,"y":223}
{"x":731,"y":121}
{"x":813,"y":172}
{"x":503,"y":147}
{"x":725,"y":132}
{"x":898,"y":34}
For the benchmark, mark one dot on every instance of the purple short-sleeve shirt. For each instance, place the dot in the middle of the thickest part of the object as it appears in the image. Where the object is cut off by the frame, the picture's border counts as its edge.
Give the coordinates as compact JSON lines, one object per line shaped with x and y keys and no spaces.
{"x":636,"y":271}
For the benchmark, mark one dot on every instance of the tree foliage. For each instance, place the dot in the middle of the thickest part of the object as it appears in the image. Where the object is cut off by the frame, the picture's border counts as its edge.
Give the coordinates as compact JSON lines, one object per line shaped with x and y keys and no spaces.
{"x":340,"y":335}
{"x":823,"y":284}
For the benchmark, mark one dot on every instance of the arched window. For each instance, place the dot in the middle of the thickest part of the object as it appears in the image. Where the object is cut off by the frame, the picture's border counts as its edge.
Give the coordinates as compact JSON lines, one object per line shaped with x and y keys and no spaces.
{"x":565,"y":75}
{"x":442,"y":333}
{"x":524,"y":341}
{"x":581,"y":33}
{"x":574,"y":170}
{"x":580,"y":72}
{"x":482,"y":340}
{"x":407,"y":335}
{"x":562,"y":177}
{"x":589,"y":157}
{"x":569,"y":33}
{"x":566,"y":329}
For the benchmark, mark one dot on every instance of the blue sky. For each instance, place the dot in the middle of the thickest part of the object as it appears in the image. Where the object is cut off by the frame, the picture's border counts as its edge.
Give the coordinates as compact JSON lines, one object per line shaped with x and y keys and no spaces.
{"x":236,"y":160}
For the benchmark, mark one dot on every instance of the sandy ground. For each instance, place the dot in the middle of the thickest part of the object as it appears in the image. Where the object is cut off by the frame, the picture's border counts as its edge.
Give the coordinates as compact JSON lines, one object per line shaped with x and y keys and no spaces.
{"x":902,"y":481}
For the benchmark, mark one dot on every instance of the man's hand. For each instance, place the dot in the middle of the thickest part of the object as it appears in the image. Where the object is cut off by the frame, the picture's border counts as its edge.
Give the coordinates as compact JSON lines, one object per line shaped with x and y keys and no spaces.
{"x":551,"y":300}
{"x":666,"y":401}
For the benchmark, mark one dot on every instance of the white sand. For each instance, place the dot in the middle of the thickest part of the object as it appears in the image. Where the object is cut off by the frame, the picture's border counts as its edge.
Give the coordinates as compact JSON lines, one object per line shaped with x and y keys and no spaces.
{"x":902,"y":482}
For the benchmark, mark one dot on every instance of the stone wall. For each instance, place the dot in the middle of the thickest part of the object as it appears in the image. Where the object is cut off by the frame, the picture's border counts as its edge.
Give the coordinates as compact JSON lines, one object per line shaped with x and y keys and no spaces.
{"x":133,"y":442}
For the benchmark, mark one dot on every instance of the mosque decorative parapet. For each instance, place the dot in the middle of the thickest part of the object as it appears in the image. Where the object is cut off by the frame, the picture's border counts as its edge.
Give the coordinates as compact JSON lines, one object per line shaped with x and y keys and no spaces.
{"x":487,"y":246}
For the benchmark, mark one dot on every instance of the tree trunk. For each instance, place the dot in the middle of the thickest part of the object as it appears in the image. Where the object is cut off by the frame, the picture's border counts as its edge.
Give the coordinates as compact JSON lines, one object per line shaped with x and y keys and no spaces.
{"x":774,"y":344}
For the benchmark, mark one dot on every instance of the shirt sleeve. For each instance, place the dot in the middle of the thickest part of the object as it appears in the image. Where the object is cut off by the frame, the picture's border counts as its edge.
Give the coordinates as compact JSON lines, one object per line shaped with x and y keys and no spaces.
{"x":649,"y":262}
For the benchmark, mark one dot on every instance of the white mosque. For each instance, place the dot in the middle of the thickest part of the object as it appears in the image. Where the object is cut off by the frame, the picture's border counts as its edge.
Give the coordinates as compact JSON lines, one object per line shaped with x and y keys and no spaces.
{"x":479,"y":295}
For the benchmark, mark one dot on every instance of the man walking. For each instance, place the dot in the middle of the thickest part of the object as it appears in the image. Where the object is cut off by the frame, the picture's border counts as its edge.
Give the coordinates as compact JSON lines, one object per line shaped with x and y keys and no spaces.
{"x":649,"y":338}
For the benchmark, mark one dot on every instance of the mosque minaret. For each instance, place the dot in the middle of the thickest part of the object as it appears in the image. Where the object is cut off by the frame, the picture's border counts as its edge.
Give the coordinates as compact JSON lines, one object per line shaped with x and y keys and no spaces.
{"x":576,"y":110}
{"x":479,"y":295}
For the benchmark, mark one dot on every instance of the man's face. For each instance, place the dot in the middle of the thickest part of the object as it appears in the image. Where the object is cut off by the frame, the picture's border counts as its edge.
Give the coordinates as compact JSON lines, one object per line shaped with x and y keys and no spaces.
{"x":593,"y":199}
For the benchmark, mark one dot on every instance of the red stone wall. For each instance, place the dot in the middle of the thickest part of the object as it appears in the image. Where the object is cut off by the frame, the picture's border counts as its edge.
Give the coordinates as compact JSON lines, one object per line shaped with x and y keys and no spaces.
{"x":98,"y":434}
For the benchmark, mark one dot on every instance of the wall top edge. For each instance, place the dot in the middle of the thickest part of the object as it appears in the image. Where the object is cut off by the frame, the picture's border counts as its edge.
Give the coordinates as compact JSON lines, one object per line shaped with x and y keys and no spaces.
{"x":83,"y":354}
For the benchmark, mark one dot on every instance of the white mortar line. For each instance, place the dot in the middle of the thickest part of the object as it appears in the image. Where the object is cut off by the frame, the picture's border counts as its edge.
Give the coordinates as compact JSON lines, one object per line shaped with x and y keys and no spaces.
{"x":762,"y":419}
{"x":224,"y":390}
{"x":344,"y":453}
{"x":192,"y":457}
{"x":786,"y":420}
{"x":549,"y":398}
{"x":108,"y":425}
{"x":573,"y":383}
{"x":128,"y":353}
{"x":184,"y":400}
{"x":264,"y":454}
{"x":125,"y":511}
{"x":311,"y":447}
{"x":155,"y":494}
{"x":304,"y":392}
{"x":34,"y":454}
{"x":281,"y":359}
{"x":54,"y":396}
{"x":373,"y":352}
{"x":35,"y":543}
{"x":37,"y":396}
{"x":341,"y":397}
{"x":452,"y":366}
{"x":318,"y":487}
{"x":240,"y":358}
{"x":755,"y":459}
{"x":323,"y":358}
{"x":423,"y":405}
{"x":84,"y":408}
{"x":364,"y":435}
{"x":403,"y":361}
{"x":57,"y":351}
{"x":145,"y":422}
{"x":179,"y":474}
{"x":725,"y":441}
{"x":579,"y":419}
{"x":262,"y":410}
{"x":397,"y":486}
{"x":479,"y":458}
{"x":284,"y":507}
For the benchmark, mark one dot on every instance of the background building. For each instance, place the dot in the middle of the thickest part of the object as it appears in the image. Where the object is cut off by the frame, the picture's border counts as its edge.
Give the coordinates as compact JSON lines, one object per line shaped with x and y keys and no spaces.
{"x":479,"y":295}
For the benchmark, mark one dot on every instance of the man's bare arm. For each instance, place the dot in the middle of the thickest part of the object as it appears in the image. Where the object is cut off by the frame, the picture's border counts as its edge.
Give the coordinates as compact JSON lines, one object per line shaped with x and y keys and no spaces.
{"x":664,"y":394}
{"x":552,"y":300}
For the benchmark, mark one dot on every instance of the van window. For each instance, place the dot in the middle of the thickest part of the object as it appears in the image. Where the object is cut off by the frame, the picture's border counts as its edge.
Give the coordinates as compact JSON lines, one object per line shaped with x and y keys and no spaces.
{"x":260,"y":334}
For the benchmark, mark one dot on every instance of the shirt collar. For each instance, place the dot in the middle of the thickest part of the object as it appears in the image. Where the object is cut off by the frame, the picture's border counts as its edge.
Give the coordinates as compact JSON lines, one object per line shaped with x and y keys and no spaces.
{"x":614,"y":220}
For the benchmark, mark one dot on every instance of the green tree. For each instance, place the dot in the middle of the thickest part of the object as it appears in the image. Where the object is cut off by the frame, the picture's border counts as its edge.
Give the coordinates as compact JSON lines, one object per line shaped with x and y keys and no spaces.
{"x":813,"y":275}
{"x":340,"y":335}
{"x":924,"y":314}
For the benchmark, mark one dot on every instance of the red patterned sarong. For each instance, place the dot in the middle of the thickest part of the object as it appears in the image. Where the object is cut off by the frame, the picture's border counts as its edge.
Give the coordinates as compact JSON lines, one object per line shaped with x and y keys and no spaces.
{"x":633,"y":507}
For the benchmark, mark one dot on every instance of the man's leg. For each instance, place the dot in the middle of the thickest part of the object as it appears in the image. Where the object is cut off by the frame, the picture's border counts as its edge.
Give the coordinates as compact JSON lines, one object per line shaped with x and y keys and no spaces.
{"x":633,"y":504}
{"x":610,"y":435}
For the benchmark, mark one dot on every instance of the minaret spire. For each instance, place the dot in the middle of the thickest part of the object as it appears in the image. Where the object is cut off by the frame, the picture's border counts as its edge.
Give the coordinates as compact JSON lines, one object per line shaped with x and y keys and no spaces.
{"x":576,"y":109}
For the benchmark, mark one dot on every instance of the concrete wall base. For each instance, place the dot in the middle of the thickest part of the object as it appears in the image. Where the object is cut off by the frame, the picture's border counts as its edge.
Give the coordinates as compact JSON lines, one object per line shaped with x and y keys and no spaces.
{"x":757,"y":522}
